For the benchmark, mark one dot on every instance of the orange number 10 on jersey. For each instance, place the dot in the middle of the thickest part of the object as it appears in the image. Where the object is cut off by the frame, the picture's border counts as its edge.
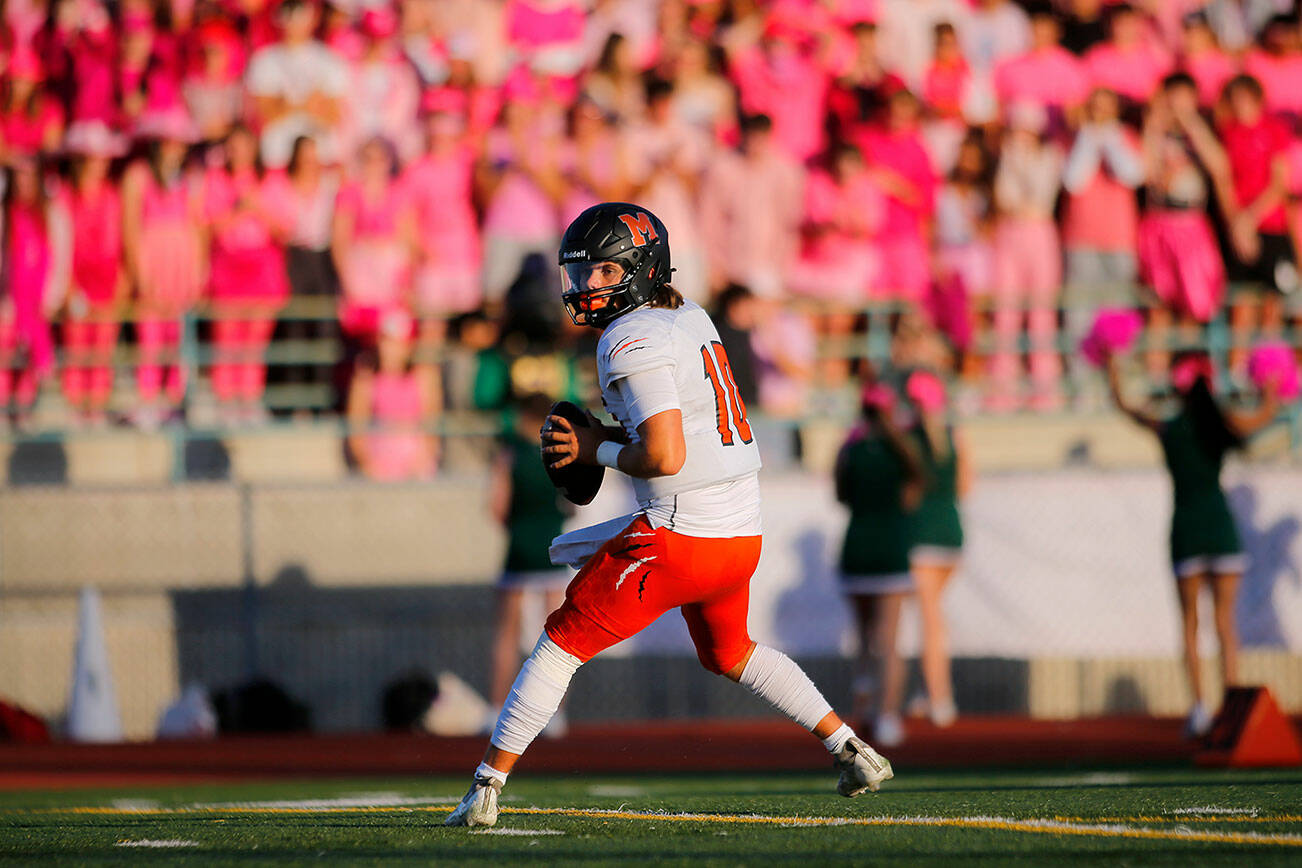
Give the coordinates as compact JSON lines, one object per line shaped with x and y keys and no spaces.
{"x":729,"y":410}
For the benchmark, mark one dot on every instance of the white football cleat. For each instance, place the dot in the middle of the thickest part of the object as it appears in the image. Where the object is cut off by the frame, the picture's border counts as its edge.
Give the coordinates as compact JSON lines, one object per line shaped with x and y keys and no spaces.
{"x":862,"y":768}
{"x":479,"y":806}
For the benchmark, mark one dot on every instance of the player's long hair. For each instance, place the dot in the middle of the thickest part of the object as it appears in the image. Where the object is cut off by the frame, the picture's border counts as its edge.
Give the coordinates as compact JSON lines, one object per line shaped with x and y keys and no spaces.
{"x":666,"y":296}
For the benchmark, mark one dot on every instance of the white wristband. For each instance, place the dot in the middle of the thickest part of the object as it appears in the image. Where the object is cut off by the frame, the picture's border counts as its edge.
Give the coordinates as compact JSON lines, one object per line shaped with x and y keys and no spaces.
{"x":608,"y":453}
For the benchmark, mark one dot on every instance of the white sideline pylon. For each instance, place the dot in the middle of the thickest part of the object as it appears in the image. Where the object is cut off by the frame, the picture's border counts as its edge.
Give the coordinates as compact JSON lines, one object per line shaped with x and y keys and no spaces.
{"x":93,"y":705}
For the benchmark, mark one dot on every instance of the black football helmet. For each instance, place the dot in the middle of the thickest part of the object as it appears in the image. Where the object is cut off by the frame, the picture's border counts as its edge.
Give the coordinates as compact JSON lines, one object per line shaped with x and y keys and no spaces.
{"x":618,"y":232}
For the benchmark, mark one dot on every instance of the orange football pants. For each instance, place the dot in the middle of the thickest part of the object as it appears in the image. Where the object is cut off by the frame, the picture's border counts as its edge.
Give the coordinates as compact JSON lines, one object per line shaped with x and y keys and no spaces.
{"x":644,"y":572}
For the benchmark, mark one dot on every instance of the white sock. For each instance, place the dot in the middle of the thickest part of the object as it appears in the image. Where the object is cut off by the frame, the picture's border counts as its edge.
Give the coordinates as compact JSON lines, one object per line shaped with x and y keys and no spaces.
{"x":535,"y":696}
{"x":775,"y":678}
{"x":837,"y":740}
{"x":487,"y":771}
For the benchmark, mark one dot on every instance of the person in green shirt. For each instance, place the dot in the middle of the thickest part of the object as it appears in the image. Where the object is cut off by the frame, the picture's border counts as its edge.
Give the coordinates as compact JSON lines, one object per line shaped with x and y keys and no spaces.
{"x":937,"y":531}
{"x":527,"y":504}
{"x":879,"y":477}
{"x":1204,"y":543}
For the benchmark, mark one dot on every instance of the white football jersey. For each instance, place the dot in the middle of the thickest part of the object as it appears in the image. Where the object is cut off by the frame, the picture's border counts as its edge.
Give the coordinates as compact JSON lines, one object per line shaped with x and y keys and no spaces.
{"x":716,"y":493}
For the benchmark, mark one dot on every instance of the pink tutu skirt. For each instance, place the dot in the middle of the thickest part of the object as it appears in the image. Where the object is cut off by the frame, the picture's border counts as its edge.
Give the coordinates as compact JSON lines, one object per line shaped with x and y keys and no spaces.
{"x":1179,"y":259}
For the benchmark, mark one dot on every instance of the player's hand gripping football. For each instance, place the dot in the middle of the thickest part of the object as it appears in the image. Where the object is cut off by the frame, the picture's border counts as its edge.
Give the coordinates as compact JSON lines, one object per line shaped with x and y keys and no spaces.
{"x":565,"y":443}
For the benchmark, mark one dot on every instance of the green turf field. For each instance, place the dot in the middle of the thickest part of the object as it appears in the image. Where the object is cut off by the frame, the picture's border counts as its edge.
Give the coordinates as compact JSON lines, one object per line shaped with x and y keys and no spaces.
{"x":1152,"y":816}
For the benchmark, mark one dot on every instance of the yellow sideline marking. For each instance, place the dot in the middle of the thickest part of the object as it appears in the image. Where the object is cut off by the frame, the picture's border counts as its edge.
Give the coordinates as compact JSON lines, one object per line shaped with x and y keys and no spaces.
{"x":1107,"y":827}
{"x":1037,"y":826}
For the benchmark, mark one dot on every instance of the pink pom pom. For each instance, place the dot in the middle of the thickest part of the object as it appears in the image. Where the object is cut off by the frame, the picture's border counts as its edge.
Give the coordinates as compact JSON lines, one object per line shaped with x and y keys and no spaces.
{"x":1274,"y":361}
{"x":1114,"y":331}
{"x":926,"y":391}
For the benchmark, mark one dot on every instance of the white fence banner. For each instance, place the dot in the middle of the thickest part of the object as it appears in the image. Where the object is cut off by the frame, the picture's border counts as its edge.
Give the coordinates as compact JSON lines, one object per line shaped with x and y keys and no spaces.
{"x":1068,"y":563}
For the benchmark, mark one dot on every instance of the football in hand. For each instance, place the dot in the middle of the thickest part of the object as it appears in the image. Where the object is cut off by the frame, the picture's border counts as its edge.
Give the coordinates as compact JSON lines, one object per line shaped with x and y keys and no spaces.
{"x":579,"y":483}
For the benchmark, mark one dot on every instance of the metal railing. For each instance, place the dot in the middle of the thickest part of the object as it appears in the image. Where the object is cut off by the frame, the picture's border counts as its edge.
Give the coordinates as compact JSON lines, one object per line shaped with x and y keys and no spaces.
{"x":290,"y":402}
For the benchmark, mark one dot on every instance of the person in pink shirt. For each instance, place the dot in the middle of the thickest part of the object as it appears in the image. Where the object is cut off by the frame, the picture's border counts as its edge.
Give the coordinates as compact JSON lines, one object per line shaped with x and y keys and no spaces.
{"x":31,"y":120}
{"x":597,"y":161}
{"x":1028,"y":262}
{"x":777,"y":74}
{"x":862,"y":87}
{"x":703,"y":97}
{"x":751,"y":212}
{"x":1278,"y":66}
{"x":520,"y":178}
{"x":214,"y":93}
{"x":98,"y":289}
{"x":1131,"y":63}
{"x":337,"y":32}
{"x":373,"y":239}
{"x":1178,"y":255}
{"x":615,"y":83}
{"x":165,"y":247}
{"x":94,"y":51}
{"x":844,"y":209}
{"x":440,"y":185}
{"x":1263,"y":254}
{"x":963,"y":227}
{"x":392,"y":405}
{"x":135,"y":49}
{"x":309,"y":189}
{"x":946,"y":80}
{"x":907,"y":32}
{"x":383,"y":95}
{"x":948,"y":93}
{"x":1203,"y":59}
{"x":903,"y":170}
{"x":1048,"y":75}
{"x":1100,"y":219}
{"x":35,"y":256}
{"x":248,"y":212}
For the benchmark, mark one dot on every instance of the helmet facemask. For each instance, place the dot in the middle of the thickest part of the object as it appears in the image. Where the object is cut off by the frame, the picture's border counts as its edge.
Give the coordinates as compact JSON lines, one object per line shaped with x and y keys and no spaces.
{"x":597,"y":306}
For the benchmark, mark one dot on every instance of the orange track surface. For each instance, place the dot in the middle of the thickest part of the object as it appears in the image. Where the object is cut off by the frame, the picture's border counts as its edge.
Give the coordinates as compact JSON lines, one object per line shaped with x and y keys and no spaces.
{"x":765,"y":745}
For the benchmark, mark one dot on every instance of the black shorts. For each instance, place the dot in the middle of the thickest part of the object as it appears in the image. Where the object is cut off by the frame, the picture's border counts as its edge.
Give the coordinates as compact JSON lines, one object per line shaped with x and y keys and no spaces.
{"x":1275,"y":268}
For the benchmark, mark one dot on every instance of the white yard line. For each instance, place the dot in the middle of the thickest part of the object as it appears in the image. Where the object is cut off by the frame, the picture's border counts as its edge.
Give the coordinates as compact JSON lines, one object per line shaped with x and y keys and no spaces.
{"x":159,"y":844}
{"x":1212,"y":809}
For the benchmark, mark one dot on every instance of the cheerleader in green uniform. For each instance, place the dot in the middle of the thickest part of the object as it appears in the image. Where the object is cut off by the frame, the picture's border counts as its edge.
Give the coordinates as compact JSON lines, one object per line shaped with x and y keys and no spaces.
{"x":1205,"y":547}
{"x":937,"y":534}
{"x":879,"y":477}
{"x":528,"y":506}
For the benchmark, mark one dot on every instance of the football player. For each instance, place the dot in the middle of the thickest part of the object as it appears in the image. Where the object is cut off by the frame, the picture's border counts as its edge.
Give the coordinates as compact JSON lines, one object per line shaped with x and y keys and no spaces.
{"x":683,"y":437}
